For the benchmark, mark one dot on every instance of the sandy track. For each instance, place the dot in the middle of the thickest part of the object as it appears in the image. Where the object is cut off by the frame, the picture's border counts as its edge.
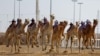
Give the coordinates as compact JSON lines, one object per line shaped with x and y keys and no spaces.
{"x":36,"y":51}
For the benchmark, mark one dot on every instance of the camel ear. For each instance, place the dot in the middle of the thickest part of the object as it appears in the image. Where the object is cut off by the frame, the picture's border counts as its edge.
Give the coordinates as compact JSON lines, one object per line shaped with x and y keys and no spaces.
{"x":65,"y":22}
{"x":95,"y":21}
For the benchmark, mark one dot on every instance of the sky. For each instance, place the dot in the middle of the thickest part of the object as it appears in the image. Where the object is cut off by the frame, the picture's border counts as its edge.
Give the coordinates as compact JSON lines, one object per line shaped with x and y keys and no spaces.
{"x":62,"y":10}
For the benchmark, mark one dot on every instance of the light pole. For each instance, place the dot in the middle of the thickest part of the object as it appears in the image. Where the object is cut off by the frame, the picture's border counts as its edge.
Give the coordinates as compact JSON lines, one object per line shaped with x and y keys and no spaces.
{"x":74,"y":1}
{"x":14,"y":9}
{"x":37,"y":10}
{"x":50,"y":7}
{"x":19,"y":7}
{"x":80,"y":3}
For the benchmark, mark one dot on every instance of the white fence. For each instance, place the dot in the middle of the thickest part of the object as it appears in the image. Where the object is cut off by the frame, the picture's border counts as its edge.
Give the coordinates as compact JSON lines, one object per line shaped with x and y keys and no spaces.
{"x":76,"y":44}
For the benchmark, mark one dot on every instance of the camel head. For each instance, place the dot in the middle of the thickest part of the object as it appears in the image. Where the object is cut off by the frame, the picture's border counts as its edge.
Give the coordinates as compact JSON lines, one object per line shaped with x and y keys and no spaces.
{"x":26,"y":22}
{"x":19,"y":20}
{"x":52,"y":16}
{"x":95,"y":22}
{"x":65,"y":23}
{"x":77,"y":24}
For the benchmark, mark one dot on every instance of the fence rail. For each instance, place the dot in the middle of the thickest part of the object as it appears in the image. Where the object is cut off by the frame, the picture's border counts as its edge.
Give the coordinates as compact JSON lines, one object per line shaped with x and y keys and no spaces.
{"x":76,"y":44}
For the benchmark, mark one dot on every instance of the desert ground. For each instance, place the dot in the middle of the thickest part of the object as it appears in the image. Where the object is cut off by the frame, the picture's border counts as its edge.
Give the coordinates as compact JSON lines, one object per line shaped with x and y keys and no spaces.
{"x":37,"y":51}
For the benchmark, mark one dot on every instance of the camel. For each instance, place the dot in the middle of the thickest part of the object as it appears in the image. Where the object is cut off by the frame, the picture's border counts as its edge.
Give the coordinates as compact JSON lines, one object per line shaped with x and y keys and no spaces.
{"x":47,"y":31}
{"x":81,"y":34}
{"x":32,"y":32}
{"x":72,"y":33}
{"x":40,"y":27}
{"x":87,"y":32}
{"x":19,"y":31}
{"x":90,"y":33}
{"x":9,"y":35}
{"x":58,"y":32}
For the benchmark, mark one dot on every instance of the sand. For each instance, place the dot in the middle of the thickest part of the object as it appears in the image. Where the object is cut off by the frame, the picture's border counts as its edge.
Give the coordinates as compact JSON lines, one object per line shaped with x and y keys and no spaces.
{"x":37,"y":51}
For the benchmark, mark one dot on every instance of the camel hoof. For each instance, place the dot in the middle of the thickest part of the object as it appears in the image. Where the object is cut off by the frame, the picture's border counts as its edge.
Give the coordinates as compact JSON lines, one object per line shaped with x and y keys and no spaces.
{"x":43,"y":49}
{"x":65,"y":52}
{"x":7,"y":45}
{"x":20,"y":47}
{"x":50,"y":50}
{"x":37,"y":45}
{"x":92,"y":50}
{"x":18,"y":51}
{"x":87,"y":48}
{"x":82,"y":48}
{"x":32,"y":46}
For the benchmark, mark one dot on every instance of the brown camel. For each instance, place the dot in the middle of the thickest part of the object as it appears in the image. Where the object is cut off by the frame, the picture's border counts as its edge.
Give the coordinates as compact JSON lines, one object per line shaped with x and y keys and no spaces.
{"x":87,"y":34}
{"x":19,"y":31}
{"x":58,"y":32}
{"x":90,"y":30}
{"x":72,"y":32}
{"x":9,"y":35}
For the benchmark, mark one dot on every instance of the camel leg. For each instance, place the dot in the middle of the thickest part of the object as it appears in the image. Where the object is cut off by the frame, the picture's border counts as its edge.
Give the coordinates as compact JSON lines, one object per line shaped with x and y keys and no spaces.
{"x":15,"y":47}
{"x":8,"y":41}
{"x":48,"y":37}
{"x":51,"y":47}
{"x":67,"y":38}
{"x":83,"y":42}
{"x":79,"y":43}
{"x":71,"y":44}
{"x":44,"y":43}
{"x":35,"y":41}
{"x":18,"y":44}
{"x":15,"y":43}
{"x":87,"y":42}
{"x":63,"y":36}
{"x":32,"y":42}
{"x":11,"y":45}
{"x":28,"y":41}
{"x":7,"y":45}
{"x":91,"y":44}
{"x":57,"y":47}
{"x":94,"y":39}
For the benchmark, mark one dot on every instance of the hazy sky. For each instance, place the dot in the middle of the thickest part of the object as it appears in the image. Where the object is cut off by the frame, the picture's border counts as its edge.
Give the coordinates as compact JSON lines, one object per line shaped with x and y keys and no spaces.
{"x":62,"y":9}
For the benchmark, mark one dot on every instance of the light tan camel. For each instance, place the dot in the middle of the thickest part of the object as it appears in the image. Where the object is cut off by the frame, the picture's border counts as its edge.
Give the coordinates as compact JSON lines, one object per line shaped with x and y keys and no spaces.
{"x":32,"y":32}
{"x":47,"y":31}
{"x":19,"y":31}
{"x":58,"y":32}
{"x":9,"y":35}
